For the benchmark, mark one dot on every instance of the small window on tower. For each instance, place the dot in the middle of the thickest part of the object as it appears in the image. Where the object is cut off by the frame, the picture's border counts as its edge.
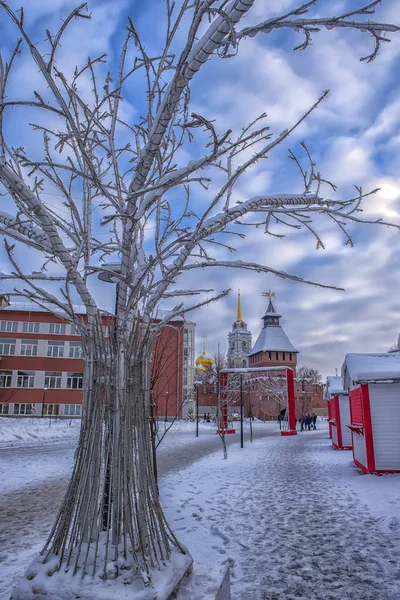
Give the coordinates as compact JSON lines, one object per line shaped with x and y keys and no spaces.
{"x":244,"y":345}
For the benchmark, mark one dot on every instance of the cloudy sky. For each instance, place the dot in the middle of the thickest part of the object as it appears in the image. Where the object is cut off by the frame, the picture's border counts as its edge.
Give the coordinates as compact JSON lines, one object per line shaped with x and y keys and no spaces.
{"x":354,"y":138}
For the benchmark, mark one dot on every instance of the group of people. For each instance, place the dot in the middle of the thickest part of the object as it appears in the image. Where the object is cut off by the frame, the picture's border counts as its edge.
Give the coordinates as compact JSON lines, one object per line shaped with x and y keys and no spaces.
{"x":207,"y":418}
{"x":308,"y":422}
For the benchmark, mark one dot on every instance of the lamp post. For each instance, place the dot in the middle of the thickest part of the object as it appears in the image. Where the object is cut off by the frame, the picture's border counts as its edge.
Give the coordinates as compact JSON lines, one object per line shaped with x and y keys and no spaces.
{"x":44,"y":394}
{"x":166,"y":406}
{"x":197,"y":411}
{"x":241,"y":411}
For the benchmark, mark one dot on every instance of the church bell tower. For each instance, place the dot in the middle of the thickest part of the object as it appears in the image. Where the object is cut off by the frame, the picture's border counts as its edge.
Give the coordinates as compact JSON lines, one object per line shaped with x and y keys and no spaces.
{"x":239,"y":341}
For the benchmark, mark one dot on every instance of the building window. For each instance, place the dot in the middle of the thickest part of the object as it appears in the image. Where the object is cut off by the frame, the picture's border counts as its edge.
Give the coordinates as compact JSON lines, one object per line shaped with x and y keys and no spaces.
{"x":284,"y":355}
{"x":72,"y":410}
{"x":270,"y":355}
{"x":57,"y":328}
{"x":74,"y":381}
{"x":50,"y":410}
{"x":75,"y":350}
{"x":26,"y":379}
{"x":188,"y":337}
{"x":55,"y":349}
{"x":52,"y":380}
{"x":22,"y":409}
{"x":75,"y":330}
{"x":9,"y":326}
{"x":29,"y":347}
{"x":4,"y":408}
{"x":188,"y":356}
{"x":276,"y":355}
{"x":7,"y":347}
{"x":244,"y":345}
{"x":29,"y":327}
{"x":244,"y":363}
{"x":290,"y":356}
{"x":5,"y":379}
{"x":105,"y":331}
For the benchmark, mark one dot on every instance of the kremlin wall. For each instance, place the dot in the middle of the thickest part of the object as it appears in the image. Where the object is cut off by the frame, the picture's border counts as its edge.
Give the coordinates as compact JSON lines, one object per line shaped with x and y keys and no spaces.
{"x":271,"y":349}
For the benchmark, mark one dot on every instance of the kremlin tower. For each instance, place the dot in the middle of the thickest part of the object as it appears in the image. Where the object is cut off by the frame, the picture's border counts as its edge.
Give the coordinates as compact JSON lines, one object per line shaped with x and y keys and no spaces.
{"x":273,"y":347}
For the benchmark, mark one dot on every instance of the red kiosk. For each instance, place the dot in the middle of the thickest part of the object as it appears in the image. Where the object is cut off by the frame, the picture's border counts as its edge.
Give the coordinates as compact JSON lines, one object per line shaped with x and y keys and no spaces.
{"x":373,"y":381}
{"x":338,"y":413}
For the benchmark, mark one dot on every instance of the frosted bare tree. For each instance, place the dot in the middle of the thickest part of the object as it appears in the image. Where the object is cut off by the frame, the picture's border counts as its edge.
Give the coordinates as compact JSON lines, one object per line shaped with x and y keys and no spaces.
{"x":121,"y":178}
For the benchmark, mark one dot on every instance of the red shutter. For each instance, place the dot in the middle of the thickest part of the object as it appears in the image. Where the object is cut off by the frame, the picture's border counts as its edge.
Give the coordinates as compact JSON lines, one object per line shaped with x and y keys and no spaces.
{"x":356,"y":412}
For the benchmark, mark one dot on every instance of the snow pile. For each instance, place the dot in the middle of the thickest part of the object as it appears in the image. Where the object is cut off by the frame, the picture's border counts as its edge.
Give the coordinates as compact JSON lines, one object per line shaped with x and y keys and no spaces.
{"x":44,"y":579}
{"x":29,"y":430}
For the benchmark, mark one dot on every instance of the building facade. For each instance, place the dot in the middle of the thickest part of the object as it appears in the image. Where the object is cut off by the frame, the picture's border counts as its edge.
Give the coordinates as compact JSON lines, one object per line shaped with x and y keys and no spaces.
{"x":41,"y":367}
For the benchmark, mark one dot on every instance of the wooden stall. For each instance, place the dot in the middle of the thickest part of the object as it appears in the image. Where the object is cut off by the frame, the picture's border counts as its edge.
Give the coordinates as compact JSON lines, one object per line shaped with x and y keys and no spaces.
{"x":338,"y":413}
{"x":373,"y":383}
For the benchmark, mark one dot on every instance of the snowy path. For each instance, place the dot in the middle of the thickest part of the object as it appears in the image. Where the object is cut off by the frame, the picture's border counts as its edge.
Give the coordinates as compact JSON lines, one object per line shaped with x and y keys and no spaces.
{"x":289,"y":514}
{"x":33,"y":480}
{"x":289,"y":520}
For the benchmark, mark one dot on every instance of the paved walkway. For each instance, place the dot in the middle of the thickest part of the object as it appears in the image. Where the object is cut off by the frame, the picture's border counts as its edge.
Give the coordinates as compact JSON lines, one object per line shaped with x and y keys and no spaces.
{"x":287,"y":522}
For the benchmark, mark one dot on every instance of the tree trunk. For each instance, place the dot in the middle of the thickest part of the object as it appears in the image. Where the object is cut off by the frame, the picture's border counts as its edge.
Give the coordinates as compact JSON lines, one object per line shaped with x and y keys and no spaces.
{"x":111,"y":514}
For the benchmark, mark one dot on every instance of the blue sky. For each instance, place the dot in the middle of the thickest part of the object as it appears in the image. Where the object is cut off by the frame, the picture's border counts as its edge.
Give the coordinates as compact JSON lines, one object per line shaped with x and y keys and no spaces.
{"x":354,"y":137}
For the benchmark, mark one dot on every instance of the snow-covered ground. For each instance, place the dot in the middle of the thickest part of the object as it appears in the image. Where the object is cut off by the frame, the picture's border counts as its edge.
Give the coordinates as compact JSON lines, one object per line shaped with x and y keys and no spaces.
{"x":293,"y":517}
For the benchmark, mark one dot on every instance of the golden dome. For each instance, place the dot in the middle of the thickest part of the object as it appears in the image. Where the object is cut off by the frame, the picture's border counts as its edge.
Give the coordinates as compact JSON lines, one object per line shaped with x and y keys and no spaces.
{"x":203,"y":362}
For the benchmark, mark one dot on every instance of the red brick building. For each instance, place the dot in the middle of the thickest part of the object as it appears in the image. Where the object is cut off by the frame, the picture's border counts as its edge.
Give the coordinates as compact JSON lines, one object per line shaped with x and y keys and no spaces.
{"x":41,"y":368}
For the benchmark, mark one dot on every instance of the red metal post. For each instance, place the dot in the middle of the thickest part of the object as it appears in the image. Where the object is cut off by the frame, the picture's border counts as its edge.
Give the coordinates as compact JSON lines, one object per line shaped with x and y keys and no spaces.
{"x":291,"y":406}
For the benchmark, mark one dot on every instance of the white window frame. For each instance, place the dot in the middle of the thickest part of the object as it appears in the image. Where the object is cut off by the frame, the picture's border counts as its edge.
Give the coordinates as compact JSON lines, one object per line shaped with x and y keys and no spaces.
{"x":30,"y":327}
{"x":51,"y":410}
{"x":57,"y":328}
{"x":75,"y":350}
{"x":75,"y":330}
{"x":29,"y":348}
{"x":55,"y":349}
{"x":70,"y":379}
{"x":9,"y":326}
{"x":5,"y":379}
{"x":22,"y":409}
{"x":7,"y":347}
{"x":28,"y":376}
{"x":72,"y":410}
{"x":52,"y":380}
{"x":4,"y":408}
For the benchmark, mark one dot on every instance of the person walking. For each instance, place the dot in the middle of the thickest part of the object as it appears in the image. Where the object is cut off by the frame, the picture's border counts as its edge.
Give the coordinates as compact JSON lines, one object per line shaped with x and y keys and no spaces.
{"x":308,"y":422}
{"x":314,"y":420}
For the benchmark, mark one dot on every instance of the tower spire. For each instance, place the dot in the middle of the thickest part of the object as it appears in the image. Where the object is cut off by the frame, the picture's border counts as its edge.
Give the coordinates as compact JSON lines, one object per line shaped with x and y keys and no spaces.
{"x":239,"y":309}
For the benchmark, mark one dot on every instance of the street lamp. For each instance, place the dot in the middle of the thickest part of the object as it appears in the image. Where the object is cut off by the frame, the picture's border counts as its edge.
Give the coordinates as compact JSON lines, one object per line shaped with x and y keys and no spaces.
{"x":197,"y":410}
{"x":241,"y":410}
{"x":166,"y":406}
{"x":44,"y":394}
